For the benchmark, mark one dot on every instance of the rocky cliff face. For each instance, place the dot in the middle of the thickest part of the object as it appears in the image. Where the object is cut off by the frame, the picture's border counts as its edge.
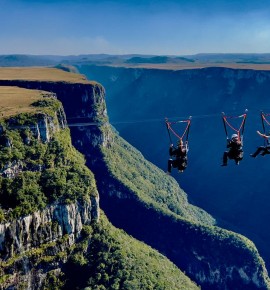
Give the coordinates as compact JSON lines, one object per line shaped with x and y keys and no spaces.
{"x":84,"y":104}
{"x":188,"y":244}
{"x":49,"y":232}
{"x":35,"y":241}
{"x":46,"y":226}
{"x":43,"y":129}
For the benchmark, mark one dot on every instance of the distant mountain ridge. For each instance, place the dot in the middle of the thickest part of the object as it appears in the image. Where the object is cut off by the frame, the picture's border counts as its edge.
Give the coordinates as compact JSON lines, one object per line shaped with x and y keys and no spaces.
{"x":204,"y":59}
{"x":158,"y":59}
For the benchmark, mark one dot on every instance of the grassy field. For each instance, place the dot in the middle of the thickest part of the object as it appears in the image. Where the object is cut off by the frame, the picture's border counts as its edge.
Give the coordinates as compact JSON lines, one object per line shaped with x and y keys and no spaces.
{"x":41,"y":74}
{"x":14,"y":100}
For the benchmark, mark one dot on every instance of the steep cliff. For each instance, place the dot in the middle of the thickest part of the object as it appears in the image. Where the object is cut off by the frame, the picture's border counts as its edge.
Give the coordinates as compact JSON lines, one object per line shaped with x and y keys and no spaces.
{"x":51,"y":234}
{"x":47,"y":193}
{"x":157,"y":214}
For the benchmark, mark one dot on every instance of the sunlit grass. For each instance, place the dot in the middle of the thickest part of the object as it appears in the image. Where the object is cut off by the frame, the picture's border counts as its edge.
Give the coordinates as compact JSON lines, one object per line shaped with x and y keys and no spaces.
{"x":14,"y":100}
{"x":40,"y":74}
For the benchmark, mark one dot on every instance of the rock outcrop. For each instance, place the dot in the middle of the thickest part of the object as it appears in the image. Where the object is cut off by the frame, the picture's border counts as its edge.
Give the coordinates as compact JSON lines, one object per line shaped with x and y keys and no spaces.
{"x":49,"y":232}
{"x":46,"y":226}
{"x":40,"y":223}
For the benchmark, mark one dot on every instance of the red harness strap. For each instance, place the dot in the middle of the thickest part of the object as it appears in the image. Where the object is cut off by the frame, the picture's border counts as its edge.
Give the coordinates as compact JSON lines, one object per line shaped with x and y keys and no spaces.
{"x":185,"y":132}
{"x":240,"y":130}
{"x":265,"y":120}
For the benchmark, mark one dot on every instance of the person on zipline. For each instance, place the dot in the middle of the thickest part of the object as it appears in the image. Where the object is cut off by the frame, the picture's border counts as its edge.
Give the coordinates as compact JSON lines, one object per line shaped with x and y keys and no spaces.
{"x":263,"y":150}
{"x":235,"y":151}
{"x":180,"y":157}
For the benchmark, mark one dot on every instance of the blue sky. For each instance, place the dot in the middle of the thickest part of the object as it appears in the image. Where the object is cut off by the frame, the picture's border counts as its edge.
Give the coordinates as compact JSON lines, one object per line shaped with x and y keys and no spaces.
{"x":147,"y":27}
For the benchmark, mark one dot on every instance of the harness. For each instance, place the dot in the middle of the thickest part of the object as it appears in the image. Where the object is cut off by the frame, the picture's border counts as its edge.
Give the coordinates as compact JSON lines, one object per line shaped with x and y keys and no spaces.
{"x":179,"y":130}
{"x":239,"y":130}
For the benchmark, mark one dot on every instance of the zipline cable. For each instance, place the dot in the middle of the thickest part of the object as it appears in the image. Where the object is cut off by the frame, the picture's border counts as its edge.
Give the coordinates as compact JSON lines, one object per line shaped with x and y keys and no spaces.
{"x":80,"y":124}
{"x":161,"y":120}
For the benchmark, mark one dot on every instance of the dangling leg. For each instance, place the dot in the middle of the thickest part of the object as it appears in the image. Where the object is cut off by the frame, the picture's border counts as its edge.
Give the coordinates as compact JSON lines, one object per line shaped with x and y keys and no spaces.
{"x":225,"y":158}
{"x":258,"y":151}
{"x":266,"y":150}
{"x":182,"y":165}
{"x":239,"y":157}
{"x":170,"y":163}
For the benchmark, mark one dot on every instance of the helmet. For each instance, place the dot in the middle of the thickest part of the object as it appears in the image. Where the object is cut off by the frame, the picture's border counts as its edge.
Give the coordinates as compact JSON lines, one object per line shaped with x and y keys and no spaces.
{"x":234,"y":136}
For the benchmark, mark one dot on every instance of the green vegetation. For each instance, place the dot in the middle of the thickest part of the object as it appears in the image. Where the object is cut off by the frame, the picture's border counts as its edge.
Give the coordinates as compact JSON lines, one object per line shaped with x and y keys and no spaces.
{"x":105,"y":258}
{"x":4,"y":278}
{"x":48,"y":171}
{"x":48,"y":105}
{"x":114,"y":260}
{"x":43,"y":256}
{"x":53,"y":281}
{"x":144,"y":179}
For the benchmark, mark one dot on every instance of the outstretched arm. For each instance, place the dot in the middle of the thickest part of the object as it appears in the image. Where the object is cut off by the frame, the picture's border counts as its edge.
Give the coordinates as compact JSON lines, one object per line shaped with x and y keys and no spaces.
{"x":263,"y":135}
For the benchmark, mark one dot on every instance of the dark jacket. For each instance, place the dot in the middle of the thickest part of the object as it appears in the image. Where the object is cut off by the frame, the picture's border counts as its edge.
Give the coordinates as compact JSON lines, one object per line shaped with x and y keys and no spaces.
{"x":235,"y":149}
{"x":179,"y":152}
{"x":235,"y":146}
